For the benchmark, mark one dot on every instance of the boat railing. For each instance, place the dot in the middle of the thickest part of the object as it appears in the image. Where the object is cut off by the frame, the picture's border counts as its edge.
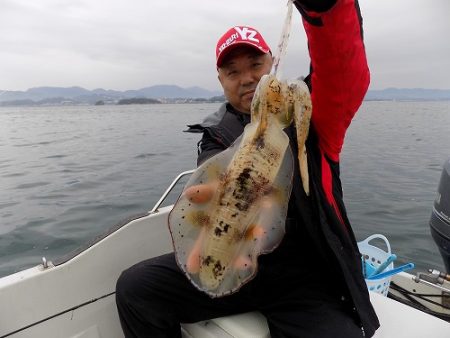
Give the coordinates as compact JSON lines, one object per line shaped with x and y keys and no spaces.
{"x":70,"y":255}
{"x":169,"y":189}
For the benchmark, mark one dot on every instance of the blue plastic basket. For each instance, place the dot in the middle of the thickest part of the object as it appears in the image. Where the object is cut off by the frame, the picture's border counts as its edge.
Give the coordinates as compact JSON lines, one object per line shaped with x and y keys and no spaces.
{"x":372,"y":257}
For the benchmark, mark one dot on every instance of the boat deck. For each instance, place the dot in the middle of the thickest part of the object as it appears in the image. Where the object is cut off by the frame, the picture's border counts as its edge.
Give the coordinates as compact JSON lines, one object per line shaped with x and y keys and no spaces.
{"x":397,"y":321}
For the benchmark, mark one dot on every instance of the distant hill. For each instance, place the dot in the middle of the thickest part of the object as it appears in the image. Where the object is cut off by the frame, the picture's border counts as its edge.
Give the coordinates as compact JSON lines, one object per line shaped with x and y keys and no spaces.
{"x":173,"y":93}
{"x":78,"y":95}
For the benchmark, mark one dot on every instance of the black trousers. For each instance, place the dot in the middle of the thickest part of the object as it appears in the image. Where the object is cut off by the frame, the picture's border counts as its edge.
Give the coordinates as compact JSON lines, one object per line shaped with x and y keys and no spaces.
{"x":154,"y":296}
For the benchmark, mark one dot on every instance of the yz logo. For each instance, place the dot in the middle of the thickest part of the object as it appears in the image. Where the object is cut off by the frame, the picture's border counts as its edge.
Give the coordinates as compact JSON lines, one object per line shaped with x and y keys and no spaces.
{"x":246,"y":34}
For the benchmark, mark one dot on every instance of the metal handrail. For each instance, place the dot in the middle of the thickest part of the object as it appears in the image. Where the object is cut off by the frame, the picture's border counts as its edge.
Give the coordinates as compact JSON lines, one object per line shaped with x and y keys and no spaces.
{"x":169,"y":189}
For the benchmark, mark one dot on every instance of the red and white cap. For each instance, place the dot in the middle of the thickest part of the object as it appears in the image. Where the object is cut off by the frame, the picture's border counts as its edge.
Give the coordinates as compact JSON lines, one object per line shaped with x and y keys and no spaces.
{"x":236,"y":36}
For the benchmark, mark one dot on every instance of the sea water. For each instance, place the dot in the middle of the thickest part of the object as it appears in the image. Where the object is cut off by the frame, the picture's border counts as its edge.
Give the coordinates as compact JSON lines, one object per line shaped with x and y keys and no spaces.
{"x":67,"y":174}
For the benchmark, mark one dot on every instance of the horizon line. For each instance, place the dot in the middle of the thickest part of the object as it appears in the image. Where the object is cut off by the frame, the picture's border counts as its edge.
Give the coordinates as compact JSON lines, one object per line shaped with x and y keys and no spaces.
{"x":2,"y":91}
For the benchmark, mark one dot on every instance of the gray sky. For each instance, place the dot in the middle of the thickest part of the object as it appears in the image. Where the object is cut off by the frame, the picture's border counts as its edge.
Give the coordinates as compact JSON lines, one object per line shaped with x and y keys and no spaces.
{"x":138,"y":43}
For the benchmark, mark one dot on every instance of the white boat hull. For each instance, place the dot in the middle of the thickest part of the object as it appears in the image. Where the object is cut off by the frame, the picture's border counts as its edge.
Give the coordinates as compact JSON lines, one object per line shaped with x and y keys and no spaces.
{"x":61,"y":301}
{"x":76,"y":298}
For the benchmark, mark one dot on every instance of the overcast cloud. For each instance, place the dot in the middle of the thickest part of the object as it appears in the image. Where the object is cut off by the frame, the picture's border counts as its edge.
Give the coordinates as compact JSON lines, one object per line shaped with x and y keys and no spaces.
{"x":138,"y":43}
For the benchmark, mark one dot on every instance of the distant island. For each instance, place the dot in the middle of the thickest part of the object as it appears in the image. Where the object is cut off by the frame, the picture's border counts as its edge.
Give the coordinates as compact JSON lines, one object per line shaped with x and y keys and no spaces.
{"x":56,"y":96}
{"x":138,"y":100}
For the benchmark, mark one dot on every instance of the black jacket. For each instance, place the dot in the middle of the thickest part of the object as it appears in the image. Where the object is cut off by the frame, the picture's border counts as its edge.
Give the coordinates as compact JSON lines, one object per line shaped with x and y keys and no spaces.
{"x":330,"y":234}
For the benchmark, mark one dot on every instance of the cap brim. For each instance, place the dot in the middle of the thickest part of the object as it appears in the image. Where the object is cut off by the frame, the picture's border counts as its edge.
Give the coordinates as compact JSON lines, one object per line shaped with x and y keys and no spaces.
{"x":233,"y":46}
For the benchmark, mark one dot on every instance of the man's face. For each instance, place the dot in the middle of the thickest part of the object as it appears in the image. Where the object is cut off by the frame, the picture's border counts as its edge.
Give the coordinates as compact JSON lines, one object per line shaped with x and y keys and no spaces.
{"x":240,"y":73}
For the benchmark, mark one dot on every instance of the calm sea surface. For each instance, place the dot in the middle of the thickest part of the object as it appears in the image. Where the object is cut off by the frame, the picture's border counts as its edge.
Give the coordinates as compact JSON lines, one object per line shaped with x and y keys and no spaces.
{"x":67,"y":174}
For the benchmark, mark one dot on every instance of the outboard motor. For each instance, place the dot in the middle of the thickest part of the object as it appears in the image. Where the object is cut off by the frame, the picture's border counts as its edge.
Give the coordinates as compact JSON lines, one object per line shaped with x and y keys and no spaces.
{"x":440,"y":217}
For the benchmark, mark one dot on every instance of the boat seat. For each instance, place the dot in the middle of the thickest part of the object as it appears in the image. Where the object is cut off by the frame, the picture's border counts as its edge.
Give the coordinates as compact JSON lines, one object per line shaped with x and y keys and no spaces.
{"x":251,"y":325}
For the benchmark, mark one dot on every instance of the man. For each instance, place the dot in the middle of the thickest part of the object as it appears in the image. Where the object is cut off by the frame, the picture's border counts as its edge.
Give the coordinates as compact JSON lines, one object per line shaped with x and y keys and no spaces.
{"x":312,"y":284}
